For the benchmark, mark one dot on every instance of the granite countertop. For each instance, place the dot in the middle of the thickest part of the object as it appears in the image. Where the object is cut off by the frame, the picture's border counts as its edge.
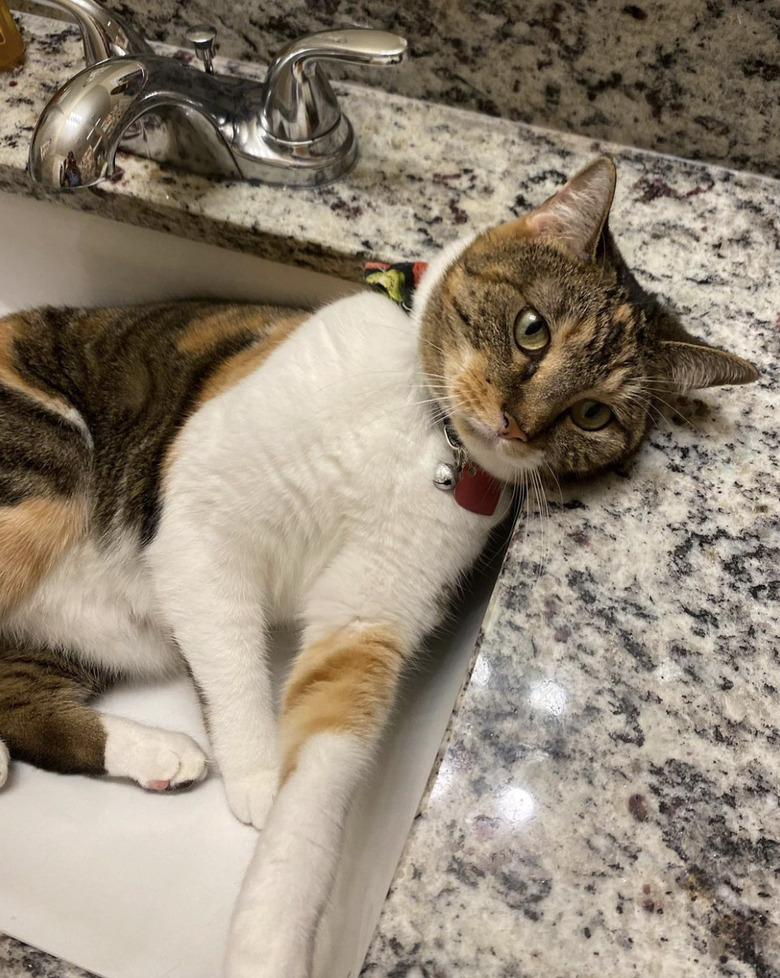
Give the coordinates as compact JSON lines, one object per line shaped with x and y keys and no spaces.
{"x":697,"y":79}
{"x":607,"y":801}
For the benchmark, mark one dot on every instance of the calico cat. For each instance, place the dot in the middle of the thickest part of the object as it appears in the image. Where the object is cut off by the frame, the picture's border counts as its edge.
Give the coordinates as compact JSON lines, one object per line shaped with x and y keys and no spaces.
{"x":175,"y":479}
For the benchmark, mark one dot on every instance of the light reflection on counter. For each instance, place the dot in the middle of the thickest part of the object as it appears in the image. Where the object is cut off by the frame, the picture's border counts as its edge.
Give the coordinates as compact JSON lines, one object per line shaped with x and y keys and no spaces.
{"x":516,"y":804}
{"x":481,"y":674}
{"x":549,"y":697}
{"x":444,"y":780}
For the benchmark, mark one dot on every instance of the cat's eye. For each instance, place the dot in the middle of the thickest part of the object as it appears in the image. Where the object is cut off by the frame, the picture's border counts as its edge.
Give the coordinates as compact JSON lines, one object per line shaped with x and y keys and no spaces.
{"x":591,"y":415}
{"x":532,"y":333}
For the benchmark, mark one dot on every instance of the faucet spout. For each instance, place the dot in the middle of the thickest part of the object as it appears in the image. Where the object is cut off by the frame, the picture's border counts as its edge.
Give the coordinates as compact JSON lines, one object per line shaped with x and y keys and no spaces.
{"x":79,"y":131}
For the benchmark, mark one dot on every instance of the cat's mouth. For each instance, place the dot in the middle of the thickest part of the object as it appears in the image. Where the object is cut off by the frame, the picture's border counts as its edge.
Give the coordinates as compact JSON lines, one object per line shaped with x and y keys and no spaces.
{"x":497,"y":441}
{"x":502,"y":457}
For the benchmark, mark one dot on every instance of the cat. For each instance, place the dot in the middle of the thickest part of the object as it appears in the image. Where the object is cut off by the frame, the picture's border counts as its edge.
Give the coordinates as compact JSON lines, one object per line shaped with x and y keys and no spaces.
{"x":176,"y":478}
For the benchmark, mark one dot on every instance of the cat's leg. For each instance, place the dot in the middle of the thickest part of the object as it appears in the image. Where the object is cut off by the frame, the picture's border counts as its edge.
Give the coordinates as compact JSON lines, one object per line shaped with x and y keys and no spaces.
{"x":45,"y":720}
{"x":215,"y":611}
{"x":5,"y":761}
{"x":336,"y":704}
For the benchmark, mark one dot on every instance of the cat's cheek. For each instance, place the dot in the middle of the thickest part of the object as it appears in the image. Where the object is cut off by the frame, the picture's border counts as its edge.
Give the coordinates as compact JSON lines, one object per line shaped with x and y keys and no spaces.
{"x":576,"y":454}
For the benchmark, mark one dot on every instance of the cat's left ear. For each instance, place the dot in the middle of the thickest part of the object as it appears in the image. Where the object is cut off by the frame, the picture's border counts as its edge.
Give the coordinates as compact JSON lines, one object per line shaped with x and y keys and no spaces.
{"x":572,"y":219}
{"x":687,"y":367}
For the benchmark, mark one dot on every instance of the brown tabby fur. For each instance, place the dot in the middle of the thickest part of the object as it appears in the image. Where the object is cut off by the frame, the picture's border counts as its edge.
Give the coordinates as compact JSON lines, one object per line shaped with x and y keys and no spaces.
{"x":135,"y":375}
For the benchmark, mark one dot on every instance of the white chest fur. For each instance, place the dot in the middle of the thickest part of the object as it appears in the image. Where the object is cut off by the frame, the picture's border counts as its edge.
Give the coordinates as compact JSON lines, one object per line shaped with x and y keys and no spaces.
{"x":328,"y":451}
{"x":311,"y":480}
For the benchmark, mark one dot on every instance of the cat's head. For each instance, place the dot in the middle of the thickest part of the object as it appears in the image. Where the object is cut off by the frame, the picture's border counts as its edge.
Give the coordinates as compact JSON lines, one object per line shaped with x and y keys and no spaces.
{"x":543,"y":350}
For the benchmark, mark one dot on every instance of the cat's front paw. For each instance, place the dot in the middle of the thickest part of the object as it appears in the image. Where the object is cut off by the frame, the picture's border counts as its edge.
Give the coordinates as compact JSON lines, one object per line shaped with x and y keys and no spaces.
{"x":159,"y":760}
{"x":250,"y":797}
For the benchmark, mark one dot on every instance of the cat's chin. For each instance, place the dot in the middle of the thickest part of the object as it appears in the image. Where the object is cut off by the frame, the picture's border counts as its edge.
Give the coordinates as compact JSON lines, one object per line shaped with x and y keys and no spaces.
{"x":506,"y":460}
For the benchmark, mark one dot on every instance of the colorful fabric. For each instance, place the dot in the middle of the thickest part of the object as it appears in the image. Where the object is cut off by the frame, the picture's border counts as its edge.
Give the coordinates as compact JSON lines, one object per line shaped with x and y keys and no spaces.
{"x":397,"y":281}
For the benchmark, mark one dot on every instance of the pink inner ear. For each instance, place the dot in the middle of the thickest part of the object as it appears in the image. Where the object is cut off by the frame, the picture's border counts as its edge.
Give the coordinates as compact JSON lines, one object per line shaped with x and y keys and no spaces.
{"x":572,"y":218}
{"x":541,"y":225}
{"x":548,"y":226}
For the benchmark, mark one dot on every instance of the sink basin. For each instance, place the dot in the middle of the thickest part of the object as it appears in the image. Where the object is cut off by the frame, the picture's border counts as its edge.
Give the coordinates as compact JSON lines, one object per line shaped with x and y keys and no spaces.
{"x":135,"y":885}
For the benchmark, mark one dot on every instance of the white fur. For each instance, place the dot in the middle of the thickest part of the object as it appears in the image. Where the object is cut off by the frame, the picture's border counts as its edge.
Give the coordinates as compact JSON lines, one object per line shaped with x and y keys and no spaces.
{"x":435,"y":272}
{"x":154,"y":758}
{"x":100,"y":604}
{"x":303,"y":493}
{"x":330,"y":515}
{"x":290,"y":876}
{"x":5,"y":762}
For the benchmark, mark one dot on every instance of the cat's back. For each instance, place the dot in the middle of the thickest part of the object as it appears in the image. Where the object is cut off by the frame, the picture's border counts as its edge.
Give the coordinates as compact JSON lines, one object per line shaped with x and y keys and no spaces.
{"x":90,"y":402}
{"x":342,"y":385}
{"x":103,"y":392}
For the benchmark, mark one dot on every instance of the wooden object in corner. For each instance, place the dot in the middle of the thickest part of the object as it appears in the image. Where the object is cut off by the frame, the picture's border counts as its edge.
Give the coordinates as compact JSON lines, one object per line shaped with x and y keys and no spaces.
{"x":11,"y":43}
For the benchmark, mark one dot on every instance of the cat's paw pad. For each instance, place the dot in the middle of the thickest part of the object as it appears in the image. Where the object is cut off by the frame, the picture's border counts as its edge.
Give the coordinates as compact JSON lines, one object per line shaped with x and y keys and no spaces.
{"x":5,"y":763}
{"x":250,"y":797}
{"x":159,"y":760}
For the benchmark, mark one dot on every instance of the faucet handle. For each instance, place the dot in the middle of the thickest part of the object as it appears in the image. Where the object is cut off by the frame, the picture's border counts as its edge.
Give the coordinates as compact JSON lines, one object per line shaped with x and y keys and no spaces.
{"x":299,"y":103}
{"x":358,"y":45}
{"x":202,"y":39}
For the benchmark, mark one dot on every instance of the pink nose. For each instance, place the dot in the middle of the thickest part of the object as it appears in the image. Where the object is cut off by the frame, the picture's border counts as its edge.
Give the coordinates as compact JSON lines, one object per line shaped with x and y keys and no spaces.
{"x":511,"y":428}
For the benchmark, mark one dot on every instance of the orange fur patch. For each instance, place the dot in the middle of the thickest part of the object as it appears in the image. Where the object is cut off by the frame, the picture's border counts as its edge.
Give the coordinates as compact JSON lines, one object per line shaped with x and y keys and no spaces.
{"x":343,"y":683}
{"x":33,"y":535}
{"x":213,"y":328}
{"x":11,"y":329}
{"x":474,"y":394}
{"x":521,"y":227}
{"x":247,"y":361}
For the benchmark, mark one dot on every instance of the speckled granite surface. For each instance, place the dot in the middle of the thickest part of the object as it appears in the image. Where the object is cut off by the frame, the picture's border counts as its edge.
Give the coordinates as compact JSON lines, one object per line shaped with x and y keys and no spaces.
{"x":608,"y":801}
{"x":21,"y":961}
{"x":696,"y":78}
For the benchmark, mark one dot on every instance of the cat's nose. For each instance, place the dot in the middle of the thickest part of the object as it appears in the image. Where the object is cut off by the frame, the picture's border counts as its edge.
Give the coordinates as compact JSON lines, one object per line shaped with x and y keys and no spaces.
{"x":510,"y":428}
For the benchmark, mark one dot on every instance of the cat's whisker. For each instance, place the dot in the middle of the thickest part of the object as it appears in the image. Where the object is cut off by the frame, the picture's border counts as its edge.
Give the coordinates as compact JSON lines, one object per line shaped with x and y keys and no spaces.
{"x":649,"y":402}
{"x":551,"y":470}
{"x":436,"y":347}
{"x":646,"y":405}
{"x":656,"y":388}
{"x":542,"y":528}
{"x":545,"y":522}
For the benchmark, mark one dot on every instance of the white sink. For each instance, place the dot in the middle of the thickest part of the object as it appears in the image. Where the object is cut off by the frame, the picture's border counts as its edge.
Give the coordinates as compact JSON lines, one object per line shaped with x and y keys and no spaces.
{"x":135,"y":885}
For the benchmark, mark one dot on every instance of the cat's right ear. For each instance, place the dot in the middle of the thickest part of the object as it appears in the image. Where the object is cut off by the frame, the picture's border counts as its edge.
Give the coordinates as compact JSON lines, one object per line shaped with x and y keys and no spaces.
{"x":573,"y":218}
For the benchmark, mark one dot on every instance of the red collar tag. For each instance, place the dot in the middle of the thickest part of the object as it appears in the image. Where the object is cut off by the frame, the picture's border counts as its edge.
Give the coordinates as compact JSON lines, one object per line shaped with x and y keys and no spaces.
{"x":477,"y":491}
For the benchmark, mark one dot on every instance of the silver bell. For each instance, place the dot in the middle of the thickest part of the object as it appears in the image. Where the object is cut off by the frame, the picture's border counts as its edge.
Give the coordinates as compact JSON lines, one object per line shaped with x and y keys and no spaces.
{"x":445,"y":477}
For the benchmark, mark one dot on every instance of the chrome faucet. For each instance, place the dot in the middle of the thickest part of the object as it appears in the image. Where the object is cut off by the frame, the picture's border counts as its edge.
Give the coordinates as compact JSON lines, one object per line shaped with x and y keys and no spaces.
{"x":286,"y":130}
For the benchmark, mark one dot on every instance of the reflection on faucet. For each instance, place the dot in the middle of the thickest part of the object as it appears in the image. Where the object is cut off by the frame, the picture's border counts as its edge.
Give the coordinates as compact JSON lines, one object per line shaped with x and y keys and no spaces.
{"x":77,"y":137}
{"x":104,"y":34}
